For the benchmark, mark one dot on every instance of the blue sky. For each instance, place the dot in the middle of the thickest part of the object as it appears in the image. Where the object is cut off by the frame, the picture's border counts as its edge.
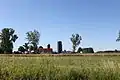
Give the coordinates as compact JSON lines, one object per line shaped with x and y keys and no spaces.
{"x":97,"y":21}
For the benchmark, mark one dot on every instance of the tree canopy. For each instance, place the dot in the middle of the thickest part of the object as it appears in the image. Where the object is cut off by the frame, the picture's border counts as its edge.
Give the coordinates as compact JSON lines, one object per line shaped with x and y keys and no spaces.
{"x":75,"y":39}
{"x":33,"y":38}
{"x":7,"y":38}
{"x":21,"y":49}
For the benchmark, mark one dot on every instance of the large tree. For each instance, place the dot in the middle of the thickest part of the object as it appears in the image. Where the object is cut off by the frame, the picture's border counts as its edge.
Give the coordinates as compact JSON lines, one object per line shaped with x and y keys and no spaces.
{"x":75,"y":39}
{"x":7,"y":38}
{"x":33,"y":38}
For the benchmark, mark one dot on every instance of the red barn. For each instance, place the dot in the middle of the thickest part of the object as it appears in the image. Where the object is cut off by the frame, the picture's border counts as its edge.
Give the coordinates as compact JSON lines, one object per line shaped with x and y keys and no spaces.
{"x":45,"y":50}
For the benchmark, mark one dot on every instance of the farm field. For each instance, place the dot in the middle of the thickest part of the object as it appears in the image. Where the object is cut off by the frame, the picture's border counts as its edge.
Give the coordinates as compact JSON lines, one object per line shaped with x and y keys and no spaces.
{"x":60,"y":67}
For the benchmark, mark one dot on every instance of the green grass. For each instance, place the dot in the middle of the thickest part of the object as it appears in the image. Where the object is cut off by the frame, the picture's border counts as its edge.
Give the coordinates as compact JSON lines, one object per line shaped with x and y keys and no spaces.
{"x":60,"y":68}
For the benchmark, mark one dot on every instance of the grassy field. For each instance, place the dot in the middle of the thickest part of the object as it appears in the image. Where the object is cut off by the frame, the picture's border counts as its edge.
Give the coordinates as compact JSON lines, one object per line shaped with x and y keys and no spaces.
{"x":60,"y":67}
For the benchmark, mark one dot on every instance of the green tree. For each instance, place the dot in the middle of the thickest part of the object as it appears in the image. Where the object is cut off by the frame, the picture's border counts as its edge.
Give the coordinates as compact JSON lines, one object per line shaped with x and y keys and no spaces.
{"x":26,"y":46}
{"x":79,"y":50}
{"x":31,"y":48}
{"x":1,"y":51}
{"x":75,"y":39}
{"x":118,"y":39}
{"x":40,"y":47}
{"x":7,"y":38}
{"x":33,"y":38}
{"x":21,"y":49}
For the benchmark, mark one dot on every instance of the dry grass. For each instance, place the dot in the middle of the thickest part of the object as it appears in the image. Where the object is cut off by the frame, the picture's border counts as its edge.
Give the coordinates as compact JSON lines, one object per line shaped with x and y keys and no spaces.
{"x":59,"y":67}
{"x":76,"y":54}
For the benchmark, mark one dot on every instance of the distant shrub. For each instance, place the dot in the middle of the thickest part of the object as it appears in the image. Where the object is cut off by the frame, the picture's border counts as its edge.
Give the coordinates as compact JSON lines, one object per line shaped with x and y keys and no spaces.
{"x":17,"y":52}
{"x":54,"y":53}
{"x":1,"y":51}
{"x":21,"y":49}
{"x":48,"y":46}
{"x":41,"y":47}
{"x":109,"y":51}
{"x":79,"y":50}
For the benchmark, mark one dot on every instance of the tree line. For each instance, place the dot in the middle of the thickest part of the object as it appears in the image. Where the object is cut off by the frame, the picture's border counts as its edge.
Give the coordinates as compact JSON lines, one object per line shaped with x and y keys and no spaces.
{"x":8,"y":38}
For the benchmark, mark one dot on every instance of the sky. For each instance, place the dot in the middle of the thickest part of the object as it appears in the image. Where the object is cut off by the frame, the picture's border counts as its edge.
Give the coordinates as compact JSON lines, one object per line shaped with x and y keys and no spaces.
{"x":97,"y":21}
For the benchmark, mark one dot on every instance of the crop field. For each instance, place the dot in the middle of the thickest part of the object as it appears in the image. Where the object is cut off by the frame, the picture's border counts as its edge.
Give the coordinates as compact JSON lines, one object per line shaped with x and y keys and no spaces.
{"x":60,"y":67}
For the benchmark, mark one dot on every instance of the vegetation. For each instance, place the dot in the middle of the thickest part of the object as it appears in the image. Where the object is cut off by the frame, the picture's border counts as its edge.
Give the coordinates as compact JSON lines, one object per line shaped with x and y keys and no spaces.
{"x":79,"y":50}
{"x":26,"y":46}
{"x":31,"y":48}
{"x":60,"y":68}
{"x":1,"y":51}
{"x":109,"y":51}
{"x":75,"y":39}
{"x":48,"y":46}
{"x":54,"y":66}
{"x":118,"y":39}
{"x":40,"y":47}
{"x":7,"y":37}
{"x":33,"y":38}
{"x":21,"y":49}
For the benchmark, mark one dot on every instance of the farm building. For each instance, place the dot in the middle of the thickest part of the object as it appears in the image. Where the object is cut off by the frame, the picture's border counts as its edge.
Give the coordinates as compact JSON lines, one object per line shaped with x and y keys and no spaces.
{"x":45,"y":50}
